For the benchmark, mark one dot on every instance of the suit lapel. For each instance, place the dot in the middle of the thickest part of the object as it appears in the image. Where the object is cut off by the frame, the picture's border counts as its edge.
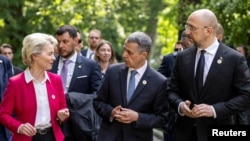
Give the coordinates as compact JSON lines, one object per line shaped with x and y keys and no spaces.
{"x":76,"y":72}
{"x":142,"y":83}
{"x":55,"y":65}
{"x":189,"y":68}
{"x":123,"y":82}
{"x":216,"y":65}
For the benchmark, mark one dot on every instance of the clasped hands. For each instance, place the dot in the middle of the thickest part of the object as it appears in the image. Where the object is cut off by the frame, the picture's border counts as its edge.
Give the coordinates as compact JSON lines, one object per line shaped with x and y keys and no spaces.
{"x":199,"y":110}
{"x":124,"y":115}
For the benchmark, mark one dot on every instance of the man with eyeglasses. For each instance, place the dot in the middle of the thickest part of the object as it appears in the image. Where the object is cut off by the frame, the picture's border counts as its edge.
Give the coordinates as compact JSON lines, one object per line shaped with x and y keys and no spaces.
{"x":7,"y":50}
{"x":79,"y":46}
{"x":217,"y":92}
{"x":94,"y":38}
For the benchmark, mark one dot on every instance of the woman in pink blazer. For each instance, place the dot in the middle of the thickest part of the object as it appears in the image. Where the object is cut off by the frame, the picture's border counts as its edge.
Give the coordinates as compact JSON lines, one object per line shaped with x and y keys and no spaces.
{"x":34,"y":103}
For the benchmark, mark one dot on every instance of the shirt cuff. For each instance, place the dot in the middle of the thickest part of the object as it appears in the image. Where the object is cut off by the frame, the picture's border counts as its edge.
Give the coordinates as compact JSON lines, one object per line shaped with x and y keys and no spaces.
{"x":179,"y":109}
{"x":214,"y":111}
{"x":111,"y":119}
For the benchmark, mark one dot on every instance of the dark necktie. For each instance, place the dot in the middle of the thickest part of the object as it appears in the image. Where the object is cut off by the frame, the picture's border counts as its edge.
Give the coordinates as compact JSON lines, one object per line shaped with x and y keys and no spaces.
{"x":131,"y":84}
{"x":64,"y":72}
{"x":91,"y":55}
{"x":200,"y":72}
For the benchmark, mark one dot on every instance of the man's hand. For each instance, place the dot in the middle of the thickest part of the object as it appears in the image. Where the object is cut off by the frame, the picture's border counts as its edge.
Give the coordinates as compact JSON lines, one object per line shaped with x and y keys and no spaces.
{"x":202,"y":110}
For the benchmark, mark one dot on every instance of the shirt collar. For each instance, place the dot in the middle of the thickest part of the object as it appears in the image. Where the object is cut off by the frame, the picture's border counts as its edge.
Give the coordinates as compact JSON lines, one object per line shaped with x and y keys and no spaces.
{"x":72,"y":58}
{"x":28,"y":77}
{"x":90,"y":51}
{"x":140,"y":70}
{"x":212,"y":48}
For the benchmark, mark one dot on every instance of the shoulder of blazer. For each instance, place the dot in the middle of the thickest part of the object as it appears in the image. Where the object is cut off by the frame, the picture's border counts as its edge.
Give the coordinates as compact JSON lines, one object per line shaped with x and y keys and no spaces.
{"x":84,"y":52}
{"x":118,"y":66}
{"x":85,"y":61}
{"x":114,"y":68}
{"x":150,"y":72}
{"x":228,"y":50}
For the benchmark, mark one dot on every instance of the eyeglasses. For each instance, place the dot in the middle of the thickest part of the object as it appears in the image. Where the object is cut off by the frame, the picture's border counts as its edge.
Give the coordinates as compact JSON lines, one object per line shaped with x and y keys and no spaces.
{"x":79,"y":41}
{"x":192,"y":28}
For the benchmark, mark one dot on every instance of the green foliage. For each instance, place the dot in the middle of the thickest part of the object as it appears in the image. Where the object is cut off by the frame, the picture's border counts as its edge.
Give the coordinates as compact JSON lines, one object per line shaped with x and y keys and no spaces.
{"x":234,"y":16}
{"x":163,"y":20}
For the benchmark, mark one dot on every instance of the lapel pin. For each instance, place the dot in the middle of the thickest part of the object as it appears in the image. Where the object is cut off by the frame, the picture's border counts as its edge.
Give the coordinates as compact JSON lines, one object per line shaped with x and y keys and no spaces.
{"x":79,"y":66}
{"x":1,"y":61}
{"x":219,"y":61}
{"x":53,"y":96}
{"x":144,"y":82}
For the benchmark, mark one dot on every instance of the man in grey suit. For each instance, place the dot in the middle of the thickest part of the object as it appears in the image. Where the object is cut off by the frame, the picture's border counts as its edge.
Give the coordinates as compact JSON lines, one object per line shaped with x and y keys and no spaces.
{"x":83,"y":76}
{"x":225,"y":86}
{"x":132,"y":118}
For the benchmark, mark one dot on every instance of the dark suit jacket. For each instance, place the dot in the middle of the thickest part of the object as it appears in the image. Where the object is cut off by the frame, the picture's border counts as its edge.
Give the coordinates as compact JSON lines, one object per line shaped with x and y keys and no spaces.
{"x":86,"y":76}
{"x":167,"y":64}
{"x":149,"y":100}
{"x":86,"y":80}
{"x":227,"y":89}
{"x":84,"y":52}
{"x":5,"y":73}
{"x":17,"y":70}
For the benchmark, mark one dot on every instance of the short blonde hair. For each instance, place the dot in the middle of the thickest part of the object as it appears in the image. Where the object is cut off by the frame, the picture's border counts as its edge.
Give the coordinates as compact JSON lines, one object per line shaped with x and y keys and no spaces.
{"x":34,"y":43}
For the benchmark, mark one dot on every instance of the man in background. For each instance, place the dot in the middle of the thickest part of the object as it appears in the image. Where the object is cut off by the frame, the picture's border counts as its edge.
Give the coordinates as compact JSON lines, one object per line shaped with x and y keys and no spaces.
{"x":219,"y":32}
{"x":94,"y":38}
{"x":80,"y":45}
{"x":167,"y":64}
{"x":7,"y":50}
{"x":5,"y":74}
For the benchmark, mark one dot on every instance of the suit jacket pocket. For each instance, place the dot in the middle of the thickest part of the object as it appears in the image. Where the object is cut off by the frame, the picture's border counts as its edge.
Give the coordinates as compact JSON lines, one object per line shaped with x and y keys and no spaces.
{"x":83,"y":76}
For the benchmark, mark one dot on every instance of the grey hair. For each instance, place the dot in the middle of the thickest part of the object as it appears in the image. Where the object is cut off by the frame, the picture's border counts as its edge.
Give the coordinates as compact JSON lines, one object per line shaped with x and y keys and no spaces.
{"x":34,"y":43}
{"x":142,"y":39}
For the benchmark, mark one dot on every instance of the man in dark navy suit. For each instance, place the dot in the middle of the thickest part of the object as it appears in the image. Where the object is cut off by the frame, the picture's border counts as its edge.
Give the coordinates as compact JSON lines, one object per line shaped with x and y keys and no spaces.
{"x":132,"y":116}
{"x":7,"y":50}
{"x":5,"y":74}
{"x":220,"y":89}
{"x":83,"y":75}
{"x":167,"y":63}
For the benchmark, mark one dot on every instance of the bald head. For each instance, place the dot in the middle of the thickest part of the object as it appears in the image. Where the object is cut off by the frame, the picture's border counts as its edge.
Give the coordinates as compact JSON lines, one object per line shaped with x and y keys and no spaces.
{"x":207,"y":17}
{"x":201,"y":27}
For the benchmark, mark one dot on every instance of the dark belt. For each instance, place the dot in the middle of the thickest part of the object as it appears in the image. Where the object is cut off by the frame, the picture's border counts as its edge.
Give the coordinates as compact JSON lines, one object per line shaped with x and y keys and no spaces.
{"x":43,"y":131}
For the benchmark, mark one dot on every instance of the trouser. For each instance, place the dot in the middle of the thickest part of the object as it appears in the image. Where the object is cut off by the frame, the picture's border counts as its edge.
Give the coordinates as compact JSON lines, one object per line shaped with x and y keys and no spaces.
{"x":44,"y":135}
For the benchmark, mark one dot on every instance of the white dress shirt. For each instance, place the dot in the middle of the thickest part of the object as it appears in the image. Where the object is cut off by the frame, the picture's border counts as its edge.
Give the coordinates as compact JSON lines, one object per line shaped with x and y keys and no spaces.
{"x":138,"y":75}
{"x":43,"y":110}
{"x":71,"y":67}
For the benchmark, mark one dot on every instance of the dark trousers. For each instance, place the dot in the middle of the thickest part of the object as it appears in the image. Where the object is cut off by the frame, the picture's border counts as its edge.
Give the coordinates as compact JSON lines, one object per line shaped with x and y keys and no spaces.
{"x":4,"y":133}
{"x":49,"y":136}
{"x":193,"y":136}
{"x":167,"y":136}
